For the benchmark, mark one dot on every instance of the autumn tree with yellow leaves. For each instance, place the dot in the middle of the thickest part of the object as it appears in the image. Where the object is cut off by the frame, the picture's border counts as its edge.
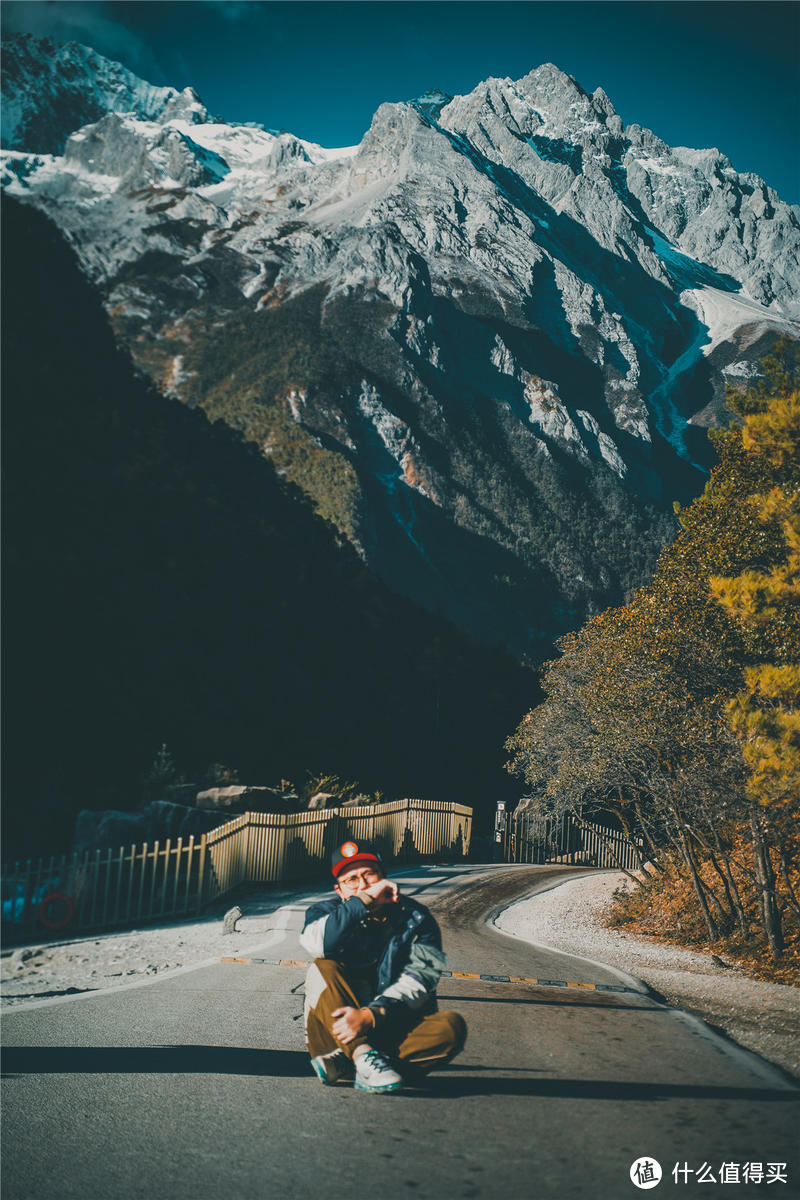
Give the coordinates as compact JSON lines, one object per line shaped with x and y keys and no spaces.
{"x":679,"y":711}
{"x":764,"y":602}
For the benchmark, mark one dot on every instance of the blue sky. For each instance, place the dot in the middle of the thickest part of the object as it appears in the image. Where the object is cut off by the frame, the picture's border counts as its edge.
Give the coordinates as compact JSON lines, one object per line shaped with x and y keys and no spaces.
{"x":699,"y":73}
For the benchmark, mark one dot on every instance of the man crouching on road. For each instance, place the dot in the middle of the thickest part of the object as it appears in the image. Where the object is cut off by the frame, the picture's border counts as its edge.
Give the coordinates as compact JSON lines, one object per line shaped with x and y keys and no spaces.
{"x":371,"y":992}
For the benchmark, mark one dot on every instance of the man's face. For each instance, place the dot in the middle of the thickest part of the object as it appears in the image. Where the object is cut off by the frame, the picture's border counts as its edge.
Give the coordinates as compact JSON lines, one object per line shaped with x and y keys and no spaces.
{"x":350,"y":882}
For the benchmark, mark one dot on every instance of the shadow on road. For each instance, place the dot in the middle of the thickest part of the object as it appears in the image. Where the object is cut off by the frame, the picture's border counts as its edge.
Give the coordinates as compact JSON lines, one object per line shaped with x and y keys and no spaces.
{"x":172,"y":1060}
{"x":459,"y":1081}
{"x":450,"y":1087}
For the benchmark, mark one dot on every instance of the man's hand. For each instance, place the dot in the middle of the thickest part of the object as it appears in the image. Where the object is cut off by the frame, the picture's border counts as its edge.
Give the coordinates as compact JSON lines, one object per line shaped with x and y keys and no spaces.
{"x":382,"y":892}
{"x":350,"y":1023}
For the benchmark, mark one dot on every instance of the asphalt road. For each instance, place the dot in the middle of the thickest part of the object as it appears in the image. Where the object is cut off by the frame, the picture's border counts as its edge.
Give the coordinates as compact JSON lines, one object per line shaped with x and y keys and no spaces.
{"x":197,"y":1086}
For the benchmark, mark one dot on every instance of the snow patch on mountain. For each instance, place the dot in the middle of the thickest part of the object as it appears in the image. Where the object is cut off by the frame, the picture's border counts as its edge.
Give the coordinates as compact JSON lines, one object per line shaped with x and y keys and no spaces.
{"x":394,"y":433}
{"x":723,"y":315}
{"x":177,"y":376}
{"x":532,"y":250}
{"x":320,"y":154}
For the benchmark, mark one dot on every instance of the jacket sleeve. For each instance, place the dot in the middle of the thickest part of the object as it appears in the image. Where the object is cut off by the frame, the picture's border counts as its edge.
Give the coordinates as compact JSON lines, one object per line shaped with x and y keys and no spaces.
{"x":417,"y":981}
{"x":326,"y":928}
{"x":420,"y":975}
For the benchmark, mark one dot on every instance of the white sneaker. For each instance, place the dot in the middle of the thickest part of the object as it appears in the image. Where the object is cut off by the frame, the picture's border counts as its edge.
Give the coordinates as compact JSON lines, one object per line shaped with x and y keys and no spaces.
{"x":332,"y":1067}
{"x":375,"y":1074}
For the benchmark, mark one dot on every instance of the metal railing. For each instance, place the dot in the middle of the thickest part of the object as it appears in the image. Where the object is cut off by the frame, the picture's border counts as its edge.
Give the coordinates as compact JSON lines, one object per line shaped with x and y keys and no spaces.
{"x":108,"y":888}
{"x":530,"y":839}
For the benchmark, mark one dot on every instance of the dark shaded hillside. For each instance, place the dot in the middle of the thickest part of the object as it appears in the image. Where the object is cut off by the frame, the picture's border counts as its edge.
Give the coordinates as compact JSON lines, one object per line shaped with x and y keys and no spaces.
{"x":516,"y":546}
{"x":163,"y":585}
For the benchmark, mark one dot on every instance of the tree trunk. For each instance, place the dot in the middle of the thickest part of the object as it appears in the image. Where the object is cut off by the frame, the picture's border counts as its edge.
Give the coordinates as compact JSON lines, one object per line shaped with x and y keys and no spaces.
{"x":731,"y":888}
{"x":794,"y":903}
{"x":727,"y":914}
{"x":626,"y":826}
{"x":699,"y":887}
{"x":646,"y":834}
{"x":765,"y":878}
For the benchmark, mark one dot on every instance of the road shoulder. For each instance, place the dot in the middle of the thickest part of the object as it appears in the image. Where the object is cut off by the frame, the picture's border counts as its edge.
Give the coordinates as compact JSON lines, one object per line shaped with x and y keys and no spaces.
{"x":763,"y":1017}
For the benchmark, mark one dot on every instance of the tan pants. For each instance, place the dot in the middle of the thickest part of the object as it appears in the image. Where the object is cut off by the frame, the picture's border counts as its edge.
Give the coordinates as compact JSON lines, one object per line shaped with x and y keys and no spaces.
{"x":431,"y":1042}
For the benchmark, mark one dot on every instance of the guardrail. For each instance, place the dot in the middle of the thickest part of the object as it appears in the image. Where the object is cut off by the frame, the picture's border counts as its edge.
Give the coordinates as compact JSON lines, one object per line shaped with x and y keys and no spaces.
{"x":529,"y":839}
{"x":108,"y":888}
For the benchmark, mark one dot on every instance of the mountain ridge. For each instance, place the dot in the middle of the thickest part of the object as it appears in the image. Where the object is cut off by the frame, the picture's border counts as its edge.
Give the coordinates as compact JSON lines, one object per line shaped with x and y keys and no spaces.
{"x":497,"y":315}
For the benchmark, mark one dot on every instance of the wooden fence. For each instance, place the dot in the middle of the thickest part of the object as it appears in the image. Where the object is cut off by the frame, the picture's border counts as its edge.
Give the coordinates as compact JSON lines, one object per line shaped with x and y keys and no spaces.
{"x":110,"y":888}
{"x":530,"y":839}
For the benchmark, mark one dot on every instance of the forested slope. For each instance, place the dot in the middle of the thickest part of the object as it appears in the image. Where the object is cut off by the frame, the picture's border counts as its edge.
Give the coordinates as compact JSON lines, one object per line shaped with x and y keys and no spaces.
{"x":162,"y":584}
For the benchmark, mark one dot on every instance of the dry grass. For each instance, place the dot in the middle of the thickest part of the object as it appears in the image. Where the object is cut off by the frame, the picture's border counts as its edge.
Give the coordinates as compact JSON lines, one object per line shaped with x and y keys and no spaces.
{"x":665,"y":907}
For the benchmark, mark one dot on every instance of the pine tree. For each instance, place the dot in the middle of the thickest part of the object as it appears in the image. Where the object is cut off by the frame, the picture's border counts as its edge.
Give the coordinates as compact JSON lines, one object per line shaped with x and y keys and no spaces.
{"x":765,"y":603}
{"x":162,"y":775}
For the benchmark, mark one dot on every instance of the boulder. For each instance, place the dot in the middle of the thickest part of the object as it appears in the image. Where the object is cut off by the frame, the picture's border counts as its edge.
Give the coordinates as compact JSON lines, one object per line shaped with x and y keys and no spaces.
{"x":322,"y":800}
{"x":240,"y":798}
{"x":110,"y":829}
{"x":223,"y":797}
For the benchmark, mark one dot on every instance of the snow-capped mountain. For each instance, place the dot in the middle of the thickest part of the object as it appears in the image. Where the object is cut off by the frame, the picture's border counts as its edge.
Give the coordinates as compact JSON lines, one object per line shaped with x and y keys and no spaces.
{"x":478,"y":340}
{"x":50,"y":90}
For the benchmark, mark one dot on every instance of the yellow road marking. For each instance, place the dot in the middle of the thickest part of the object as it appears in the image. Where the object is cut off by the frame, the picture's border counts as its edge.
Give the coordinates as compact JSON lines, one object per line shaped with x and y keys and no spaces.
{"x":597,"y":987}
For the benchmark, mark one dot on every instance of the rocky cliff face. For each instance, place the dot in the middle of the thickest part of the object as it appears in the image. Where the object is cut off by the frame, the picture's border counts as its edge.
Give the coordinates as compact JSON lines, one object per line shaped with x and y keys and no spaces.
{"x":485,"y":341}
{"x":50,"y":90}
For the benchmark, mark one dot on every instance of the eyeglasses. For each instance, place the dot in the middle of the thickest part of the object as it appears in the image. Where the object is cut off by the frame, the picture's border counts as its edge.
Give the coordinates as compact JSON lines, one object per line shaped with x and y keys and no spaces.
{"x":354,"y":879}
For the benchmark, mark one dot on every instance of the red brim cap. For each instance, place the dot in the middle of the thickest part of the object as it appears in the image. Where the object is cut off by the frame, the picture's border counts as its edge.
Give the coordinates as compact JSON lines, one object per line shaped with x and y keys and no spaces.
{"x":362,"y":858}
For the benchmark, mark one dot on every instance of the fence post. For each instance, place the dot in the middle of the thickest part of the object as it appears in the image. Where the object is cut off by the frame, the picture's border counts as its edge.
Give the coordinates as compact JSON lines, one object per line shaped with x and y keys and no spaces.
{"x":140,"y":903}
{"x":107,"y":889}
{"x":121,"y":858}
{"x":165,"y":875}
{"x":153,"y":878}
{"x":189,"y":867}
{"x":178,"y":852}
{"x":202,"y":870}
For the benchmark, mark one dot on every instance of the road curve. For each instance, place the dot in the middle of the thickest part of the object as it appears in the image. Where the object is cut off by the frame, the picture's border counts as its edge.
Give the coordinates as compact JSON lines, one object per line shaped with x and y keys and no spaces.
{"x":198,"y":1087}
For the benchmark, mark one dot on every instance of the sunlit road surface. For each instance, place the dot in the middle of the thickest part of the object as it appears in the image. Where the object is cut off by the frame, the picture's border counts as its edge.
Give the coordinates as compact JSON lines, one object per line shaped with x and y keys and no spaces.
{"x":198,"y":1086}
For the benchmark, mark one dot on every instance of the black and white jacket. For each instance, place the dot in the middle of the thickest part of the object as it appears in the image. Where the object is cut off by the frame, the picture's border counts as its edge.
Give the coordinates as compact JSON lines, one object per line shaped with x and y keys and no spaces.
{"x":408,"y":962}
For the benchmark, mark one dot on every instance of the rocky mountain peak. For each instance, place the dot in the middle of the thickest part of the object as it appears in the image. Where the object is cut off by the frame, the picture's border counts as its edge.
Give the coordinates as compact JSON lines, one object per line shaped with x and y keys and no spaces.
{"x":602,"y":103}
{"x":185,"y":106}
{"x":432,"y":102}
{"x":427,"y":330}
{"x":52,"y":89}
{"x":549,"y":88}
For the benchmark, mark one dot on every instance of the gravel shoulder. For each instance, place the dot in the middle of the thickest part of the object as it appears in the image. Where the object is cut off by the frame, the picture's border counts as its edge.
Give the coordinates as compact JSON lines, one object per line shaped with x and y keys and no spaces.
{"x":65,"y":967}
{"x":764,"y":1017}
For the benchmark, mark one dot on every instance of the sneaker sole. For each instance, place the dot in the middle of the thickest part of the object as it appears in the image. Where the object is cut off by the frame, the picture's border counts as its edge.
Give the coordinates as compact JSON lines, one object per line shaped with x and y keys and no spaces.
{"x":386,"y":1087}
{"x":322,"y":1075}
